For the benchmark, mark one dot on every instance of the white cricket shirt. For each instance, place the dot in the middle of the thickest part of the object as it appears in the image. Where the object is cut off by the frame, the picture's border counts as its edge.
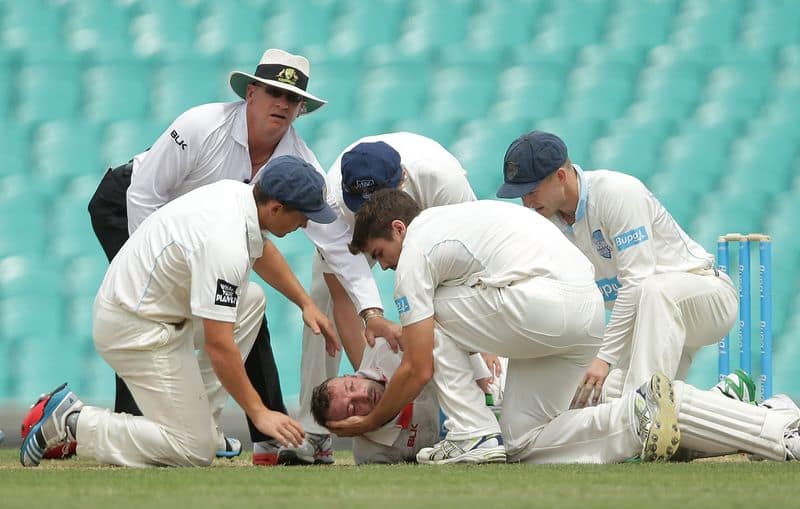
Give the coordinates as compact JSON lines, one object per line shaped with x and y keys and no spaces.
{"x":208,"y":143}
{"x":488,"y":243}
{"x":434,"y":175}
{"x":190,"y":259}
{"x":628,"y":236}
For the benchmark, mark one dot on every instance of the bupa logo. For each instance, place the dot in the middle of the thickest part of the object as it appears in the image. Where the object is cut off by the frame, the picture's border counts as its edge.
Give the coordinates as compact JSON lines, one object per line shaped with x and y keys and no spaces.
{"x":630,"y":238}
{"x":609,"y":288}
{"x":600,"y":244}
{"x":177,"y":137}
{"x":402,"y":305}
{"x":226,"y":294}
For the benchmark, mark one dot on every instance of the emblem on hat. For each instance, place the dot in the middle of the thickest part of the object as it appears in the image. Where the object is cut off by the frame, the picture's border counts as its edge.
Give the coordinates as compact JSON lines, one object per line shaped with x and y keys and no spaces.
{"x":510,"y":170}
{"x":288,"y":76}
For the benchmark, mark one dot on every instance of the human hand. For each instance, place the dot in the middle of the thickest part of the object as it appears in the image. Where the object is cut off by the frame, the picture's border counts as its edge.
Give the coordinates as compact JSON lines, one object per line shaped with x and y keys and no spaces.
{"x":378,"y":327}
{"x":319,"y":324}
{"x":485,"y":384}
{"x":352,"y":426}
{"x":493,"y":363}
{"x":591,"y":385}
{"x":280,"y":426}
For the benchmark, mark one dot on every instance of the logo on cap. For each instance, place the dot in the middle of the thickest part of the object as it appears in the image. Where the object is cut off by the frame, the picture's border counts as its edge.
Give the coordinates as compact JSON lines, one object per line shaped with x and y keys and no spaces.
{"x":364,"y":185}
{"x":511,"y":169}
{"x":287,"y":75}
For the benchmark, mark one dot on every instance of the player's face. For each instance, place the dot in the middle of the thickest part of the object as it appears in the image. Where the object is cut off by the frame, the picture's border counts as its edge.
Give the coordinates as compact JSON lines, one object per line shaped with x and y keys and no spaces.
{"x":385,"y":251}
{"x":547,"y":198}
{"x":286,"y":221}
{"x":272,"y":109}
{"x":352,"y":395}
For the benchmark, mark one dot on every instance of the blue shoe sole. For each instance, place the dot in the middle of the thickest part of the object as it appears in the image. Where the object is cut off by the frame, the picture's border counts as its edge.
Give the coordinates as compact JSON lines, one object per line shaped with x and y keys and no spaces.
{"x":29,"y":446}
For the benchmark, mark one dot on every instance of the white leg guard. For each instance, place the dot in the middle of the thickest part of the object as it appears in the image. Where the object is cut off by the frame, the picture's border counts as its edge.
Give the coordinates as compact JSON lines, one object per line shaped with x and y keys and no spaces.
{"x":716,"y":425}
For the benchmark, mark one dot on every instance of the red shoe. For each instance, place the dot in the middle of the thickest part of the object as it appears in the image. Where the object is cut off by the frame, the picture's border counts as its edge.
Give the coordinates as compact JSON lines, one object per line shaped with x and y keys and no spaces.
{"x":34,"y":415}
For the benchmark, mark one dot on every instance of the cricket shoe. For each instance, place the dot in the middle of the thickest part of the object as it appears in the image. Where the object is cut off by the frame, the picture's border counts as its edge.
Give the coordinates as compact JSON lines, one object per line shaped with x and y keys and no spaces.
{"x":656,"y":419}
{"x":782,"y":403}
{"x":231,"y":449}
{"x":50,"y":430}
{"x":34,"y":415}
{"x":265,"y":453}
{"x":316,"y":449}
{"x":485,"y":449}
{"x":737,"y":385}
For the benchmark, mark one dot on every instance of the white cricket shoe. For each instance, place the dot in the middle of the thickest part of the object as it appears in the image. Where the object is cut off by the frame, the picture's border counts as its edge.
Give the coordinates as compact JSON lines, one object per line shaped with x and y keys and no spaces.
{"x":316,"y":449}
{"x":791,"y":440}
{"x":656,"y":419}
{"x":51,"y":429}
{"x":782,"y":403}
{"x":485,"y":449}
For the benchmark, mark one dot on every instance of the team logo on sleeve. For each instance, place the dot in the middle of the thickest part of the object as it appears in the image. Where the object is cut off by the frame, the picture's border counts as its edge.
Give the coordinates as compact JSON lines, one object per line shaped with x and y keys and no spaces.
{"x":402,"y":305}
{"x":600,"y":244}
{"x":226,"y":294}
{"x":608,"y":287}
{"x":630,"y":238}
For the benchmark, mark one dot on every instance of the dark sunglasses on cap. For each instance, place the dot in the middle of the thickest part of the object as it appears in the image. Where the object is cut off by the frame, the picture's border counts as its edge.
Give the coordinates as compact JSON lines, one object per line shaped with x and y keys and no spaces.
{"x":277,"y":93}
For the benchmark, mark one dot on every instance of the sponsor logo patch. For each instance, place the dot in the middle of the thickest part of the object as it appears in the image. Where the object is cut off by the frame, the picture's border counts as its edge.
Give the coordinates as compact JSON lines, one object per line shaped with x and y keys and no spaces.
{"x":177,"y":138}
{"x":630,"y":238}
{"x":226,"y":294}
{"x":600,"y":244}
{"x":608,"y":287}
{"x":402,"y":305}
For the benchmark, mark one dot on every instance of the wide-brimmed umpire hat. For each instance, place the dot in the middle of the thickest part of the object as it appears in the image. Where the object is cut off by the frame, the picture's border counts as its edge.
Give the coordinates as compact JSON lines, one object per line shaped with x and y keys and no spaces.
{"x":279,"y":69}
{"x":530,"y":159}
{"x":295,"y":183}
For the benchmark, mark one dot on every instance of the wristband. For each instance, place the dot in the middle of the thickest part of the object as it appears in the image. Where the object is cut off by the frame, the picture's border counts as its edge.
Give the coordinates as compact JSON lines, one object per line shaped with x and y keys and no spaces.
{"x":369,"y":314}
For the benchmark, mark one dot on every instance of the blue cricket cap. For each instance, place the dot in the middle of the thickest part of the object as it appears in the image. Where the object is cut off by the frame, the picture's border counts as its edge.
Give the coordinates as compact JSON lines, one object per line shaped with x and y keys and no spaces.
{"x":295,"y":183}
{"x":529,"y":160}
{"x":366,"y":168}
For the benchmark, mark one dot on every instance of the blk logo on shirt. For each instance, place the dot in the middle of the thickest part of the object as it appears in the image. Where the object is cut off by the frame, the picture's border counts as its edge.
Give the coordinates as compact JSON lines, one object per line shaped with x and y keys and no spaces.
{"x":226,"y":294}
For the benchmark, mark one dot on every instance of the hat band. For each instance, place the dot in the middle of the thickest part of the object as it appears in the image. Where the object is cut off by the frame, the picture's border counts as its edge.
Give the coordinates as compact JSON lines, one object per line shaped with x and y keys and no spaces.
{"x":283,"y":74}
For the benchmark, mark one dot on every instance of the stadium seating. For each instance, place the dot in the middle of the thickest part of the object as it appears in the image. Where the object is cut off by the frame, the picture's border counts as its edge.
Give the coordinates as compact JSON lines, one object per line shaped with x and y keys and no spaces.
{"x":696,"y":98}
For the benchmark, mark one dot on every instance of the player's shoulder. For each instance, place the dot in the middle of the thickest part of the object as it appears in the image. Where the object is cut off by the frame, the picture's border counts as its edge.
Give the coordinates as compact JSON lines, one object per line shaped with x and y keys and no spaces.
{"x":609,"y":182}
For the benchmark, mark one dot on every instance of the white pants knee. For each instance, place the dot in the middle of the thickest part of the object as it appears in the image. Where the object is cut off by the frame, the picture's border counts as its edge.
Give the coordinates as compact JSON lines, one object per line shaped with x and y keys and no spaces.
{"x":177,"y":392}
{"x":678,"y":313}
{"x":540,"y":321}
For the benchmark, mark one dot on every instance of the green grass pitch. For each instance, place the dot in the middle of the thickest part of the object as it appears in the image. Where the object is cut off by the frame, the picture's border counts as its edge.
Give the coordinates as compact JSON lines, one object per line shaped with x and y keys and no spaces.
{"x":77,"y":483}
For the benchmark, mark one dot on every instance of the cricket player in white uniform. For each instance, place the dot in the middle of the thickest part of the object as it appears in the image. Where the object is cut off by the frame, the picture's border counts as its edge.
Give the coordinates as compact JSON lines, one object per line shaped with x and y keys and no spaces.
{"x":495,"y":277}
{"x":180,"y":283}
{"x":400,"y":439}
{"x":431,"y":176}
{"x":667,"y":299}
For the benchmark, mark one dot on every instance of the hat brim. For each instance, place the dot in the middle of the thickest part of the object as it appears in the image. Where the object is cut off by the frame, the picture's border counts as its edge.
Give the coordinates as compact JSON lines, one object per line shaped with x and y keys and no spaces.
{"x":325,"y":215}
{"x":512,"y":190}
{"x":239,"y":81}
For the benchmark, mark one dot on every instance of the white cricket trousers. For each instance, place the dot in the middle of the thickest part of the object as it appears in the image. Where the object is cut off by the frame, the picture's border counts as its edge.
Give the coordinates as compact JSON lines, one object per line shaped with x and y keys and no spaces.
{"x":316,"y":365}
{"x":176,"y":389}
{"x":677,"y":314}
{"x":550,"y":331}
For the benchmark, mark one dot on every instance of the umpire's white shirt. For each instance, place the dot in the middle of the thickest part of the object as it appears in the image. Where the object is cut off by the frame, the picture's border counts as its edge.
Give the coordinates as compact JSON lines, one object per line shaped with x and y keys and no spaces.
{"x":193,"y":260}
{"x":208,"y":143}
{"x":628,"y":236}
{"x":487,"y":243}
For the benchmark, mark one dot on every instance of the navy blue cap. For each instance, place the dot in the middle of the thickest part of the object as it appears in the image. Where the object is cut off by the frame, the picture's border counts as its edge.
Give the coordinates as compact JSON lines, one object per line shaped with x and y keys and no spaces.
{"x":529,"y":160}
{"x":295,"y":183}
{"x":366,"y":168}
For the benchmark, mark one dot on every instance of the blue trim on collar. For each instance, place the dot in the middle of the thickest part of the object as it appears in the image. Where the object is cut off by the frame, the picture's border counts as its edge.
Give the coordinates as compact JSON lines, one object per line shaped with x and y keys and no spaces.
{"x":581,"y":210}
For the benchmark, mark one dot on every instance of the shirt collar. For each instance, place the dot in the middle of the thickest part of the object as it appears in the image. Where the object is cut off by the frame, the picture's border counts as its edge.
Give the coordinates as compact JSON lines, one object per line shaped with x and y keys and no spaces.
{"x":581,"y":210}
{"x":239,"y":131}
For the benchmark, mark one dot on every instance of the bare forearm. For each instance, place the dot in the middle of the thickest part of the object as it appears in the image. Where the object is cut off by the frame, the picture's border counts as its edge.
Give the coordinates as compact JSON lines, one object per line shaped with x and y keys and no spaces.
{"x":348,"y":323}
{"x":404,"y":386}
{"x":229,"y":368}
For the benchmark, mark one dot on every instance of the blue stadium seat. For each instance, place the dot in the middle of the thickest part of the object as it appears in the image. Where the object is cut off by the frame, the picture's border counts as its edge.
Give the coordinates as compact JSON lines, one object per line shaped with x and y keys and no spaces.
{"x":394,"y":92}
{"x":165,"y":29}
{"x":64,"y":150}
{"x":226,"y":25}
{"x":99,"y":29}
{"x":22,"y":218}
{"x":529,"y":93}
{"x":335,"y":135}
{"x":573,"y":24}
{"x":49,"y":91}
{"x":123,"y":140}
{"x":300,"y":23}
{"x":183,"y":84}
{"x":519,"y":19}
{"x":423,"y":27}
{"x":458,"y":96}
{"x":627,"y":22}
{"x":34,"y":30}
{"x":577,"y":132}
{"x":347,"y":29}
{"x":117,"y":91}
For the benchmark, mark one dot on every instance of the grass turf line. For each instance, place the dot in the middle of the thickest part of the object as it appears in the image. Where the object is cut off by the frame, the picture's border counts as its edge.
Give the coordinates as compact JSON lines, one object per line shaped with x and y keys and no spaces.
{"x":84,"y":484}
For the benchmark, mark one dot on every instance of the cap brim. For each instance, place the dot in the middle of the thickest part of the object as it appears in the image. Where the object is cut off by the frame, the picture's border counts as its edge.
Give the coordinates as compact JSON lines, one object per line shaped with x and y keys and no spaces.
{"x":326,"y":215}
{"x":510,"y":190}
{"x":353,"y":201}
{"x":239,"y":81}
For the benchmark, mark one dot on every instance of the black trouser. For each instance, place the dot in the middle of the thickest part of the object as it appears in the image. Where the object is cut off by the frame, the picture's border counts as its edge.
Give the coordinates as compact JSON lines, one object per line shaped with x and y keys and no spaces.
{"x":110,"y":223}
